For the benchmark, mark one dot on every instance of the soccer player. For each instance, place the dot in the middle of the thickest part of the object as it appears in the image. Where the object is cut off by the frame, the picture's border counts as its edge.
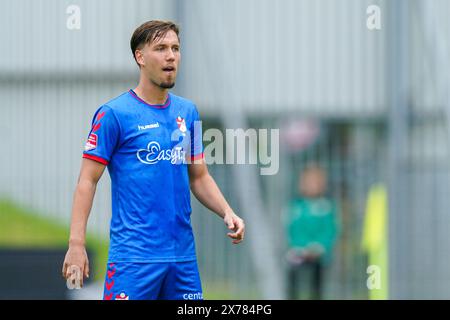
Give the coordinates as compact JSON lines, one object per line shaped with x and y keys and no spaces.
{"x":151,"y":142}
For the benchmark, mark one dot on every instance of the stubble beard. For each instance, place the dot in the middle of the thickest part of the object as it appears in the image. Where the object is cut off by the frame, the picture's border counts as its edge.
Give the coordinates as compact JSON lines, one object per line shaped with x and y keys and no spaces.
{"x":167,"y":85}
{"x":164,"y":85}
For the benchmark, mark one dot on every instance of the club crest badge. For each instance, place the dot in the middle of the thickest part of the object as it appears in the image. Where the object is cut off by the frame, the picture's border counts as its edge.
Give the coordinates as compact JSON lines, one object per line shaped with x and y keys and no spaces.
{"x":181,"y":124}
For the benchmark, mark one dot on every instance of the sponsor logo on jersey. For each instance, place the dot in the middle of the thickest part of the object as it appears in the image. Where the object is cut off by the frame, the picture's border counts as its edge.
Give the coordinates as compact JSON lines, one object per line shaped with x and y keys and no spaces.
{"x":91,"y":142}
{"x":153,"y":154}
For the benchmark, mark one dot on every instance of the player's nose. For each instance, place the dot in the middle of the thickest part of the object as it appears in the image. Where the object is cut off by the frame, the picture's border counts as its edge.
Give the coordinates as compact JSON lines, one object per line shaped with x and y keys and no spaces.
{"x":170,"y":56}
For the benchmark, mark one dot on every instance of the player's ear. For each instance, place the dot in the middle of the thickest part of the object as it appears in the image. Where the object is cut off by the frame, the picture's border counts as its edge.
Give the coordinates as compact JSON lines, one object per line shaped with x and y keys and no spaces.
{"x":139,"y":57}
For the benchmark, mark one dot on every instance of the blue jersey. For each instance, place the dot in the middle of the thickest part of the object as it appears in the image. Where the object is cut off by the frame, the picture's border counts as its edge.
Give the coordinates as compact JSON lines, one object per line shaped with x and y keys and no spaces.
{"x":147,"y":148}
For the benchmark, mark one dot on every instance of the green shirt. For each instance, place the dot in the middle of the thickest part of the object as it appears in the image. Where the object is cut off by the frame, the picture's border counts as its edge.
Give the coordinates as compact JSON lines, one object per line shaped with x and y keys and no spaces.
{"x":312,"y":221}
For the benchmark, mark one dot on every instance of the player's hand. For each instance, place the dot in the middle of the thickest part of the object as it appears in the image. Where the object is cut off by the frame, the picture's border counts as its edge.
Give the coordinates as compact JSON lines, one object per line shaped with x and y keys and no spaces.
{"x":316,"y":249}
{"x":76,"y":256}
{"x":310,"y":256}
{"x":236,"y":224}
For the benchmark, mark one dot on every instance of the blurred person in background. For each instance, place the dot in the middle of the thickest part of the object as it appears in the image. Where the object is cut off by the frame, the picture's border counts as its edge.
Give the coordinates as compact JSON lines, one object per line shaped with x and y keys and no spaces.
{"x":150,"y":142}
{"x":311,"y":228}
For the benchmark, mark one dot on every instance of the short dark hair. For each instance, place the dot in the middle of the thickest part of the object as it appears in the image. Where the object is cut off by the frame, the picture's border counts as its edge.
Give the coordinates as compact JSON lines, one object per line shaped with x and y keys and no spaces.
{"x":150,"y":31}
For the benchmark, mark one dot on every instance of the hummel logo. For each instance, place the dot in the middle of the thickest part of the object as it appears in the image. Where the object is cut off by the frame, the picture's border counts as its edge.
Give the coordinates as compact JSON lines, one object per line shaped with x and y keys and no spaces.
{"x":148,"y":126}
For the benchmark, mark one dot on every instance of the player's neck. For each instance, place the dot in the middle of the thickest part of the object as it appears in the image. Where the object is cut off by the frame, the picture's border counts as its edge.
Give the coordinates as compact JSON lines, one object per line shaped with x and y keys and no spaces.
{"x":151,"y":93}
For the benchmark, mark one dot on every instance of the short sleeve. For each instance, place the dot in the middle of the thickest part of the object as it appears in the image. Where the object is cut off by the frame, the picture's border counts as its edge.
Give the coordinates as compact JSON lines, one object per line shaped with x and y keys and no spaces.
{"x":103,"y":136}
{"x":196,"y":137}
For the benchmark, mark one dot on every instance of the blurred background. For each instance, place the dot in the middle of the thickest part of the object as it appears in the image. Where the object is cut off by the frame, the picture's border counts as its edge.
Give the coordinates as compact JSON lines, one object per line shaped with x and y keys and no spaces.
{"x":369,"y":104}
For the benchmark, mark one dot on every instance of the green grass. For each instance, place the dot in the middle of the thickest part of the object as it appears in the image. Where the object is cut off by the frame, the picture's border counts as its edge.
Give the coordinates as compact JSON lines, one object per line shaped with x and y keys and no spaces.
{"x":223,"y":290}
{"x":25,"y":228}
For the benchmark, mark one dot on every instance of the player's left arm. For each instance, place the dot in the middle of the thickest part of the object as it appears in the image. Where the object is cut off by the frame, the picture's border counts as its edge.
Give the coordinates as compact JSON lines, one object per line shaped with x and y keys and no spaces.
{"x":208,"y":193}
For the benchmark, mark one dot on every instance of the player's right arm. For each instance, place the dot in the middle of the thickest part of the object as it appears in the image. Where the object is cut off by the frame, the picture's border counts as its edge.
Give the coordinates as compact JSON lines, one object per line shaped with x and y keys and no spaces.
{"x":102,"y":140}
{"x":90,"y":173}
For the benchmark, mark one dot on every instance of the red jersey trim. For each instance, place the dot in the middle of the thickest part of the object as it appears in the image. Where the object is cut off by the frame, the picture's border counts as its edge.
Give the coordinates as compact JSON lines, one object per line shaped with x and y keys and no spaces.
{"x":198,"y":156}
{"x":95,"y":158}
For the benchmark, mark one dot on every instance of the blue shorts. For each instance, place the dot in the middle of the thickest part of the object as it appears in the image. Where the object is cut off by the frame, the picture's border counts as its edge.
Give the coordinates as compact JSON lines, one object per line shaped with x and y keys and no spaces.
{"x":150,"y":281}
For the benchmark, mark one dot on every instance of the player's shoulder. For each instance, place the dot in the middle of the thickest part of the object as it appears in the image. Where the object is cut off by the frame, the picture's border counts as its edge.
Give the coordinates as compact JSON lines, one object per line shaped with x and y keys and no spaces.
{"x":118,"y":103}
{"x":118,"y":107}
{"x":182,"y":102}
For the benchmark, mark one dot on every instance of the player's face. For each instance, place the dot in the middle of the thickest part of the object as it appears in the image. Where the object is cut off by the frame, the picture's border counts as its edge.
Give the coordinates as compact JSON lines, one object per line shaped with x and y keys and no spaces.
{"x":161,"y":58}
